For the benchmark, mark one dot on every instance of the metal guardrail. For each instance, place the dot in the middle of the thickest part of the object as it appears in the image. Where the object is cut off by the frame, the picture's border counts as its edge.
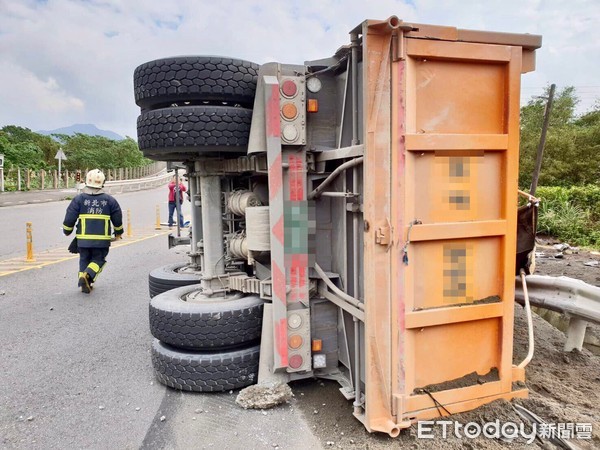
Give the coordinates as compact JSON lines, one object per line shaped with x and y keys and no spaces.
{"x":121,"y":186}
{"x":576,"y":299}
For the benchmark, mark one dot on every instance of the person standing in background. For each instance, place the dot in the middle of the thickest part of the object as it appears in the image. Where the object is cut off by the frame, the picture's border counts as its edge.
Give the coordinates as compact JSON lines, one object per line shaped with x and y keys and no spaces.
{"x":174,"y":189}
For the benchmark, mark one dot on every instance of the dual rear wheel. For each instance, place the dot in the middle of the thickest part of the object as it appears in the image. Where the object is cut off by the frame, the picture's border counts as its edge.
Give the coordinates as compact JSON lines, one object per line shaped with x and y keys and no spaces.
{"x":194,"y":107}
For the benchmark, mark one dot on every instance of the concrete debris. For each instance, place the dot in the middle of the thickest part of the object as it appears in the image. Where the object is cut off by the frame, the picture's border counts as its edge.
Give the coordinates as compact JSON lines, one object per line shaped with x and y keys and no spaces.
{"x":198,"y":411}
{"x":330,"y":443}
{"x":592,"y":264}
{"x":559,"y":256}
{"x":100,"y":407}
{"x":263,"y":396}
{"x":30,"y":418}
{"x":561,"y":247}
{"x":163,"y":418}
{"x":138,"y":408}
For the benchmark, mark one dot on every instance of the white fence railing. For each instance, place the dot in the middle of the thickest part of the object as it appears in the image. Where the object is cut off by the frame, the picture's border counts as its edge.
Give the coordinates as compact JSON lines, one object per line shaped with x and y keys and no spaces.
{"x":17,"y":179}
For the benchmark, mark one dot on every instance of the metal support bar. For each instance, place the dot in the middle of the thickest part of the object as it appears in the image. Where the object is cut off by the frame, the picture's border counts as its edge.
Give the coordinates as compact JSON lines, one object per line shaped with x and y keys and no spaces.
{"x":348,"y":299}
{"x":357,"y":401}
{"x":339,"y":194}
{"x":575,"y":334}
{"x":353,"y":151}
{"x":210,"y":190}
{"x":333,"y":298}
{"x":354,"y":84}
{"x":196,"y":214}
{"x":333,"y":175}
{"x":177,"y":202}
{"x":540,"y":149}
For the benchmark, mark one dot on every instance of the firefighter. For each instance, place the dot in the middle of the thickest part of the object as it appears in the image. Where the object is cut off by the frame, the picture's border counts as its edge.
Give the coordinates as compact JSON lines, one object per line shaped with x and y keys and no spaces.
{"x":92,"y":212}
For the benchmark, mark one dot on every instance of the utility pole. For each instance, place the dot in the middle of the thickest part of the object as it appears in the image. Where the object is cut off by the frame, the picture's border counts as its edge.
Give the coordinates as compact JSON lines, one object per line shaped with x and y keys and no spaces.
{"x":540,"y":149}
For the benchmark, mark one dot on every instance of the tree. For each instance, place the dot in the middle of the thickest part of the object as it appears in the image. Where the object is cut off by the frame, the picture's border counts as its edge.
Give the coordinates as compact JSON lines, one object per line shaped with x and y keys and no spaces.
{"x":26,"y":149}
{"x":571,"y":153}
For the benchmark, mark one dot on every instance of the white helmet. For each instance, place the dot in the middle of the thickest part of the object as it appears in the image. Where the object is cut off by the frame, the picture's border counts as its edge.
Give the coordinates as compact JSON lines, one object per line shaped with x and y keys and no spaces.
{"x":95,"y":179}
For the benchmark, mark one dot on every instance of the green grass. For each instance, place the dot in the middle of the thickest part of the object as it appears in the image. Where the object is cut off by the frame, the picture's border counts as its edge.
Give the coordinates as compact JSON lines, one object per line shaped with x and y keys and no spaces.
{"x":571,"y":214}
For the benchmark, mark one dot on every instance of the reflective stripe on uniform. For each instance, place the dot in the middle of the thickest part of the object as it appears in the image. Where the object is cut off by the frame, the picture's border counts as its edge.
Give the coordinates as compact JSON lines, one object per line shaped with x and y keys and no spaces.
{"x":119,"y":228}
{"x":66,"y":228}
{"x":84,"y":218}
{"x":95,"y":267}
{"x":94,"y":216}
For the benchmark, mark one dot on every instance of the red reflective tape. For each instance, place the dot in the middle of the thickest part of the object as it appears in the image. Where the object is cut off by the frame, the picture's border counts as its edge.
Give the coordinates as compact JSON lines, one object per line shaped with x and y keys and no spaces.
{"x":278,"y":283}
{"x":298,"y":277}
{"x":296,"y":178}
{"x":275,"y":177}
{"x":281,"y":341}
{"x":277,"y":230}
{"x":272,"y":113}
{"x":294,"y":294}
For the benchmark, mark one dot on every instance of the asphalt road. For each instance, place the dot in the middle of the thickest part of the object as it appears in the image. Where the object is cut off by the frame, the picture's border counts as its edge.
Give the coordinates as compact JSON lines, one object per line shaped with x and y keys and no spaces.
{"x":76,"y":370}
{"x":47,"y":218}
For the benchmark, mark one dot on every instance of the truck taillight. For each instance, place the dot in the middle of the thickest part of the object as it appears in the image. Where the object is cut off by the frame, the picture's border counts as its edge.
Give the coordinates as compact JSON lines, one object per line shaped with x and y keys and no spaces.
{"x":295,"y":341}
{"x":293,"y":110}
{"x":299,"y":343}
{"x":296,"y":362}
{"x":289,"y":88}
{"x":289,"y":111}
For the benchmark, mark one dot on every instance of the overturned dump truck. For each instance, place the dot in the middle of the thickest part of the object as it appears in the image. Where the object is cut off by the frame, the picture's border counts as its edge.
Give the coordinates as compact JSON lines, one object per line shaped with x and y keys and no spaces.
{"x":353,"y":218}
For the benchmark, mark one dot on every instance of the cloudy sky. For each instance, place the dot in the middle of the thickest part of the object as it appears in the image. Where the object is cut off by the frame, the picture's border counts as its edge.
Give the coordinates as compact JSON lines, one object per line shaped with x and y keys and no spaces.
{"x":72,"y":61}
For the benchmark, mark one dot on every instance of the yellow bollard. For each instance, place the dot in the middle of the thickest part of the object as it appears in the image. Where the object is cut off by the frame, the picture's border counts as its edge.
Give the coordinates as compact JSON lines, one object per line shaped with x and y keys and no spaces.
{"x":29,"y":235}
{"x":157,"y":226}
{"x":128,"y":223}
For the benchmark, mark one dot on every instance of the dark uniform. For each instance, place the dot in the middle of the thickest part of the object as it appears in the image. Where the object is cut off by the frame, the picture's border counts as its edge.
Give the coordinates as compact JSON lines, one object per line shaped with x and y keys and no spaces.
{"x":93,"y":215}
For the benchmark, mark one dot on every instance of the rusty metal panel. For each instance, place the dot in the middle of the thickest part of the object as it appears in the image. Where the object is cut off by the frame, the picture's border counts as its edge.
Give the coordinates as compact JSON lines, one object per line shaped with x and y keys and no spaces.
{"x":459,"y":195}
{"x":377,"y":213}
{"x":454,"y":350}
{"x":440,"y":184}
{"x":437,"y":32}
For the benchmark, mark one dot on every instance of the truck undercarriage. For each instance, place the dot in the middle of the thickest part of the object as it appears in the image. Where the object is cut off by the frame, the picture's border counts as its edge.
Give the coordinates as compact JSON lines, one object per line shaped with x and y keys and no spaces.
{"x":353,"y":218}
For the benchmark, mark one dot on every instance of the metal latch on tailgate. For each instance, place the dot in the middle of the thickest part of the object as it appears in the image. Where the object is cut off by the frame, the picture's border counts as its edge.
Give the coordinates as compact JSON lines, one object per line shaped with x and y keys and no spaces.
{"x":383,"y":235}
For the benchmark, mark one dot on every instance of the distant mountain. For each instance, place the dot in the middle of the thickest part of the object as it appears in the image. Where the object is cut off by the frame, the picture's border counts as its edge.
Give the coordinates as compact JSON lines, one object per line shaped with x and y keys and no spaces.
{"x":83,"y":128}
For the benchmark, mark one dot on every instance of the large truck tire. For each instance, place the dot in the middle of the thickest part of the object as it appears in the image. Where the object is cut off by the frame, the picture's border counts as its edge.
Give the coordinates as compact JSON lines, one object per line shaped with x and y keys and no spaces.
{"x":181,"y":79}
{"x":169,"y":277}
{"x":180,"y":133}
{"x":187,"y":319}
{"x":205,"y":372}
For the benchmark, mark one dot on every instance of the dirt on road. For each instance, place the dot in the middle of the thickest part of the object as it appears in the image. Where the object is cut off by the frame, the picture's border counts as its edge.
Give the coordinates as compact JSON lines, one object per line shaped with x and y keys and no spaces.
{"x":563,"y":388}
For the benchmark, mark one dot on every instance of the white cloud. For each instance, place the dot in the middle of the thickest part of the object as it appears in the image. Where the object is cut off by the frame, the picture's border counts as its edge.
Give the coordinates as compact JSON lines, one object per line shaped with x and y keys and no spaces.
{"x":78,"y":57}
{"x":24,"y":93}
